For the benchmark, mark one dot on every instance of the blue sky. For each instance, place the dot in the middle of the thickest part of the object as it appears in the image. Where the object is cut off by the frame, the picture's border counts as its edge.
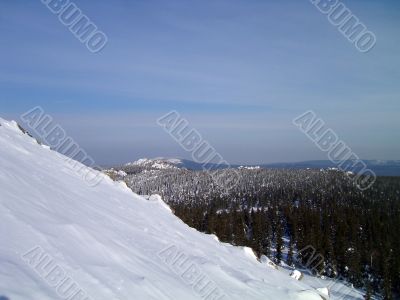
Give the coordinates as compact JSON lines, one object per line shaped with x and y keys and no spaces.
{"x":239,"y":71}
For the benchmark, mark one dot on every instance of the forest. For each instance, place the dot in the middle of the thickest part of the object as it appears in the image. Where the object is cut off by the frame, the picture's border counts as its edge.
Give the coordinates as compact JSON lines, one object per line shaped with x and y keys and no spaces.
{"x":279,"y":212}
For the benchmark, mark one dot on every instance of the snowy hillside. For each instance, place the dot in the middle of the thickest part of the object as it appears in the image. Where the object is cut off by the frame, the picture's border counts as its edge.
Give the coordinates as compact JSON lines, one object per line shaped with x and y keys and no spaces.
{"x":62,"y":239}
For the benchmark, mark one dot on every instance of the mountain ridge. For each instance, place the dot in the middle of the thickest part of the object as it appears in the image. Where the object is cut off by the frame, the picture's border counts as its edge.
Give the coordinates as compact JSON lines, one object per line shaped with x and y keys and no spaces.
{"x":380,"y":167}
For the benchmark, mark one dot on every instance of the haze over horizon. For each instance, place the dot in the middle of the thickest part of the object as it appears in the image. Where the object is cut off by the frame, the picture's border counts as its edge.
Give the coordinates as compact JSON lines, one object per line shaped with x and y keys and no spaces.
{"x":238,"y":71}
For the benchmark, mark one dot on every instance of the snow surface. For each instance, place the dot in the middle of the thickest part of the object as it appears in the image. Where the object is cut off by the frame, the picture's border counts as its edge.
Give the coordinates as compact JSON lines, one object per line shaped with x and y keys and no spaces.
{"x":296,"y":275}
{"x":111,"y":242}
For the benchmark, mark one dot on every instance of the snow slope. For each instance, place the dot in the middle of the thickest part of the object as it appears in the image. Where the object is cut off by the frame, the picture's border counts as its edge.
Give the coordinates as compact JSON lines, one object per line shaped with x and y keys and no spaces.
{"x":107,"y":240}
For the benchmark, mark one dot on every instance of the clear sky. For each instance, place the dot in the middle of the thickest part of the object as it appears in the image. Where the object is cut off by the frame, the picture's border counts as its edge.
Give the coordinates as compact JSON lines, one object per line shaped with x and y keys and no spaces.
{"x":238,"y":70}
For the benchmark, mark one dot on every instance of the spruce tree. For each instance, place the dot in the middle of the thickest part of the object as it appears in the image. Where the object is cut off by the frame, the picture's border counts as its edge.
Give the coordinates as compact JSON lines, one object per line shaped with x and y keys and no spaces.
{"x":290,"y":253}
{"x":279,"y":242}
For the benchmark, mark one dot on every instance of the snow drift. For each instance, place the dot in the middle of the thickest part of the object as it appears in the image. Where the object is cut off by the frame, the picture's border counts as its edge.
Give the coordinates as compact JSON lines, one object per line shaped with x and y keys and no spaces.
{"x":62,"y":239}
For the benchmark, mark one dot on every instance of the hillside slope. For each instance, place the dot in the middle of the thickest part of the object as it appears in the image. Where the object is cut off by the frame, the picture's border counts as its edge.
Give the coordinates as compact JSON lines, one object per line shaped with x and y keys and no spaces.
{"x":62,"y":239}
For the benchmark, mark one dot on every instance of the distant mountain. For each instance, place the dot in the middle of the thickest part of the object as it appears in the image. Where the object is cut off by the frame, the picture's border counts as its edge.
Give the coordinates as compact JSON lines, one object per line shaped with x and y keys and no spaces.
{"x":157,"y":163}
{"x":380,"y":167}
{"x":161,"y":163}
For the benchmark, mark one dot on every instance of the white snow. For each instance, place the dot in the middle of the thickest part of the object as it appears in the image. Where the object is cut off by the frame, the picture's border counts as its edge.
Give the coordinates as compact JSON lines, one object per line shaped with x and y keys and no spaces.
{"x":324,"y":292}
{"x":249,"y":167}
{"x":121,"y":173}
{"x":250,"y":253}
{"x":308,"y":295}
{"x":296,"y":274}
{"x":157,"y":163}
{"x":108,"y":240}
{"x":265,"y":260}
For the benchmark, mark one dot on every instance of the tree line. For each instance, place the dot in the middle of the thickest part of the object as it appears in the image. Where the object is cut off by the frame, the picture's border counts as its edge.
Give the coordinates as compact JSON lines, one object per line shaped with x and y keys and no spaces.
{"x":279,"y":212}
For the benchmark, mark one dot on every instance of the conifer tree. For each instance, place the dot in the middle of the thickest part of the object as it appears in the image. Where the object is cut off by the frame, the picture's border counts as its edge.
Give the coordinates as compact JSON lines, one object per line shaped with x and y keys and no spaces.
{"x":290,"y":253}
{"x":279,"y":242}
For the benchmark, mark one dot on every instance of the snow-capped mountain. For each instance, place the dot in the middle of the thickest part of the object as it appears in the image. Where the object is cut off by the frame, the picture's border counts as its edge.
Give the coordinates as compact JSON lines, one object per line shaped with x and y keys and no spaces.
{"x":161,"y":163}
{"x":157,"y":163}
{"x":65,"y":239}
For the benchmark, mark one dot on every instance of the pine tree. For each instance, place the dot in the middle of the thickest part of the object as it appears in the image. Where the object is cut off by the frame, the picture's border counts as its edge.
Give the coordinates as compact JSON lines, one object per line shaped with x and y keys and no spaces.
{"x":368,"y":294}
{"x":387,"y":284}
{"x":290,"y":253}
{"x":266,"y":235}
{"x":239,"y":236}
{"x":279,"y":242}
